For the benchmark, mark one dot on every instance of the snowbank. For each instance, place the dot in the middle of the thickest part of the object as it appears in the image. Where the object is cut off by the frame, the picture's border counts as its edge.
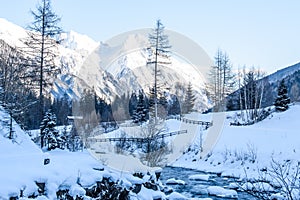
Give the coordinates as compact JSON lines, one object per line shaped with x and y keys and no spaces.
{"x":199,"y":177}
{"x":251,"y":148}
{"x":221,"y":192}
{"x":22,"y":170}
{"x":173,"y":181}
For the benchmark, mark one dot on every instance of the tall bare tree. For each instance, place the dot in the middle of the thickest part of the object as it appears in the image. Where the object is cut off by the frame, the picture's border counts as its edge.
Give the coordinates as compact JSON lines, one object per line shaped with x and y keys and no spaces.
{"x":222,"y":80}
{"x":41,"y":49}
{"x":159,"y":56}
{"x":251,"y":93}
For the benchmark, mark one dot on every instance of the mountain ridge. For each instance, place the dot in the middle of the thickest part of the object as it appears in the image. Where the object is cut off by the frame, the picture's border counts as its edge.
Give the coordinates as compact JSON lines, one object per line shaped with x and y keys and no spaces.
{"x":114,"y":68}
{"x":109,"y":68}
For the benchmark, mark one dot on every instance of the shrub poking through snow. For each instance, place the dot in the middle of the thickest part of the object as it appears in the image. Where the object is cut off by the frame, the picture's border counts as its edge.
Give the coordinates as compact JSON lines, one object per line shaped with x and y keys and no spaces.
{"x":278,"y":177}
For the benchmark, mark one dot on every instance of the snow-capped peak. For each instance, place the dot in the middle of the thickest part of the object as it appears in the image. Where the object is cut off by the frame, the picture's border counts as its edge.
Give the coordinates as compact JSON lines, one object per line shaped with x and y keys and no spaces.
{"x":78,"y":42}
{"x":11,"y":33}
{"x":135,"y":41}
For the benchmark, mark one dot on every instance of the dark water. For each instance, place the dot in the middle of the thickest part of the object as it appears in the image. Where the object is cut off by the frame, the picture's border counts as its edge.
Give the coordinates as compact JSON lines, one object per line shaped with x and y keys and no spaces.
{"x":189,"y":190}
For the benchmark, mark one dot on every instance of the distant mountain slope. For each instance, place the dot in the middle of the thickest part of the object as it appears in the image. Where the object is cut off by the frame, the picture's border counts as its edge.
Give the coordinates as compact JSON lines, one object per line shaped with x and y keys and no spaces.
{"x":127,"y":61}
{"x":111,"y":69}
{"x":291,"y":76}
{"x":282,"y":73}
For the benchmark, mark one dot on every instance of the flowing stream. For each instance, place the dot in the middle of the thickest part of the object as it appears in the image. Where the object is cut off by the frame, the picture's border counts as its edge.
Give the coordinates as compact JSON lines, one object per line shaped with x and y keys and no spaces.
{"x":190,"y":189}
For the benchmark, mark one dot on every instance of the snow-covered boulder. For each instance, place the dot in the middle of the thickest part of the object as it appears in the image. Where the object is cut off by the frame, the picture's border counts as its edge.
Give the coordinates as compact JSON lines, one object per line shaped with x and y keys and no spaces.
{"x":199,"y":177}
{"x":173,"y":181}
{"x":277,"y":196}
{"x":263,"y":186}
{"x":233,"y":186}
{"x":77,"y":190}
{"x":247,"y":186}
{"x":176,"y":196}
{"x":199,"y":190}
{"x":147,"y":194}
{"x":221,"y":192}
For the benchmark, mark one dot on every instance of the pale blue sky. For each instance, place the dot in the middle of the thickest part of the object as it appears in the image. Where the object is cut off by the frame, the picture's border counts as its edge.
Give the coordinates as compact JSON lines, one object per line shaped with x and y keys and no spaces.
{"x":258,"y":33}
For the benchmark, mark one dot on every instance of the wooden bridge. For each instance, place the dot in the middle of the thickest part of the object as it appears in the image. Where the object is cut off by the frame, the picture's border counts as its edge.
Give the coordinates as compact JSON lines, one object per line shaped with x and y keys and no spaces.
{"x":158,"y":136}
{"x":136,"y":139}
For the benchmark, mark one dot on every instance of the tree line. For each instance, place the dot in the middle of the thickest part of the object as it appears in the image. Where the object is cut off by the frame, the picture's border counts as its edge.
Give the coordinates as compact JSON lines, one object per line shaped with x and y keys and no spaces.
{"x":246,"y":90}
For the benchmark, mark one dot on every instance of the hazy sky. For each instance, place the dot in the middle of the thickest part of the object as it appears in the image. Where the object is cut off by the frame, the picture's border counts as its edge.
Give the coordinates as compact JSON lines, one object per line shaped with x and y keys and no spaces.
{"x":264,"y":34}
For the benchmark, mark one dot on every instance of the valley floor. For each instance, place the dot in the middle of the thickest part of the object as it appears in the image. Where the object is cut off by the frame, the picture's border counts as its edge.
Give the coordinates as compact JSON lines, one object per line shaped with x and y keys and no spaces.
{"x":247,"y":149}
{"x":239,"y":152}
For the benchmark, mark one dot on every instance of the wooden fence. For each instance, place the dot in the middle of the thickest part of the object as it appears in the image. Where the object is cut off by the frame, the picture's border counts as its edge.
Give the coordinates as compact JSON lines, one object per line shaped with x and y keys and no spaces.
{"x":136,"y":139}
{"x":190,"y":121}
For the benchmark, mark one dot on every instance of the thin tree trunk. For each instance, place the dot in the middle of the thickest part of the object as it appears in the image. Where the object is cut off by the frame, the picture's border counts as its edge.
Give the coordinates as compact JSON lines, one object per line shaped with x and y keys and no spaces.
{"x":155,"y":73}
{"x":240,"y":91}
{"x":41,"y":73}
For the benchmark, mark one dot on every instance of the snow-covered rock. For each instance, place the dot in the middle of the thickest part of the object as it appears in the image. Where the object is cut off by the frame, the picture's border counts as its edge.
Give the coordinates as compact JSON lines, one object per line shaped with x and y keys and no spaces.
{"x":199,"y":190}
{"x":247,"y":186}
{"x":263,"y":186}
{"x":77,"y":190}
{"x":258,"y":187}
{"x":277,"y":196}
{"x":176,"y":196}
{"x":233,"y":186}
{"x":147,"y":194}
{"x":173,"y":181}
{"x":221,"y":192}
{"x":199,"y":177}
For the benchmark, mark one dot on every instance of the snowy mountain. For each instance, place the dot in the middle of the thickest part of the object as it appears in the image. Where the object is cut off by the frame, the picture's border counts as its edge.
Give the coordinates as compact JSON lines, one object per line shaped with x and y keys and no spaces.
{"x":282,"y":73}
{"x":11,"y":33}
{"x":111,"y":68}
{"x":291,"y":77}
{"x":80,"y":43}
{"x":72,"y":54}
{"x":127,"y":63}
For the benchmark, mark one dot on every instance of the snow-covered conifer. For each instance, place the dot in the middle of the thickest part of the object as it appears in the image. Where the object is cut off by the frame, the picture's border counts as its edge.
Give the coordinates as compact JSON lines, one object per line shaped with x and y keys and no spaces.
{"x":282,"y":100}
{"x":50,"y":135}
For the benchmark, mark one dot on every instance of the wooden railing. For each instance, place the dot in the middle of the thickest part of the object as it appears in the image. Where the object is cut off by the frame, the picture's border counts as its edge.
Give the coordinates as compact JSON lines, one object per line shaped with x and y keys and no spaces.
{"x":136,"y":139}
{"x":190,"y":121}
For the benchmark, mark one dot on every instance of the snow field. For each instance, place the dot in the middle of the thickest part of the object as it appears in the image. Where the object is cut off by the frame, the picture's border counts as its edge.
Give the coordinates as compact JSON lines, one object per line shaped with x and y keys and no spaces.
{"x":253,"y":147}
{"x":248,"y":152}
{"x":22,"y":168}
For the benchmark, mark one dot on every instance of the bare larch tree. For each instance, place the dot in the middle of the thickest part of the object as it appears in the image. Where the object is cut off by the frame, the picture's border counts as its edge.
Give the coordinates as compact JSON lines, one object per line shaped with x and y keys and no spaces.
{"x":40,"y":47}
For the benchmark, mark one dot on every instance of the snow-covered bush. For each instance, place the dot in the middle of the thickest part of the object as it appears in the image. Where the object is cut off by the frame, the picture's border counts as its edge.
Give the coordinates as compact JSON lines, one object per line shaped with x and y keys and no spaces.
{"x":74,"y":141}
{"x":49,"y":134}
{"x":243,"y":155}
{"x":242,"y":118}
{"x":123,"y":145}
{"x":278,"y":180}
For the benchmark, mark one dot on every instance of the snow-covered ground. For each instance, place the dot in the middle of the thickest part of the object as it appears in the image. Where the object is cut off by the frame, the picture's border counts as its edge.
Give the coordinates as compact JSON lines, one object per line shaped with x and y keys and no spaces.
{"x":22,"y":165}
{"x":105,"y":151}
{"x":22,"y":169}
{"x":239,"y":151}
{"x":250,"y":148}
{"x":236,"y":148}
